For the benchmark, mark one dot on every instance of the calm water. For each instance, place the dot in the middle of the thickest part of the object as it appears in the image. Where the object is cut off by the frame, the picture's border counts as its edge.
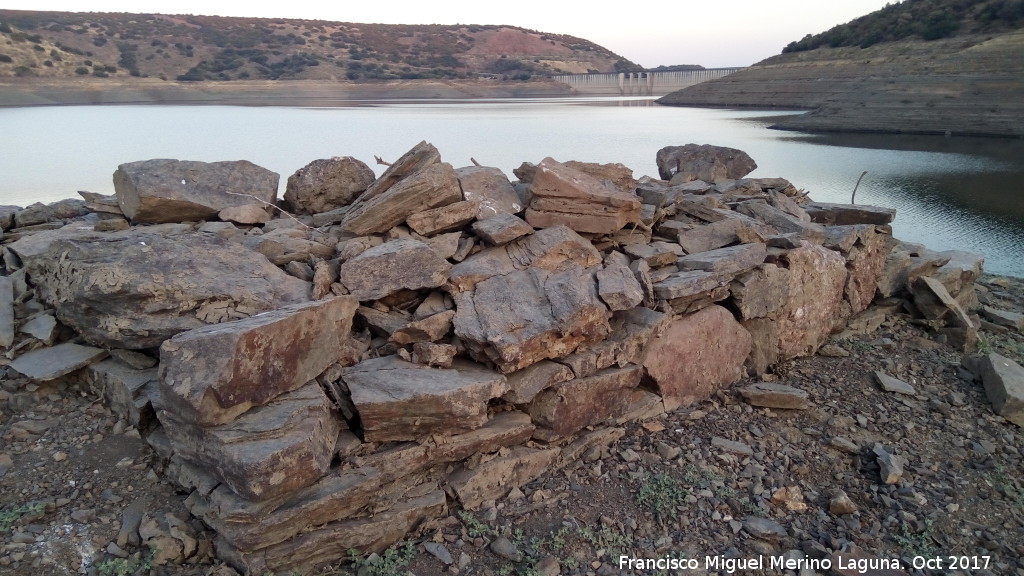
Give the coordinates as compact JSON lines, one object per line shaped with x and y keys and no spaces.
{"x":949,"y":193}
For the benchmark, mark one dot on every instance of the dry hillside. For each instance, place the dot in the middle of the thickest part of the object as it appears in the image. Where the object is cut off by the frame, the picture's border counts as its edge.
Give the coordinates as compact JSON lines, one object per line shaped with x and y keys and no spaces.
{"x":194,"y":48}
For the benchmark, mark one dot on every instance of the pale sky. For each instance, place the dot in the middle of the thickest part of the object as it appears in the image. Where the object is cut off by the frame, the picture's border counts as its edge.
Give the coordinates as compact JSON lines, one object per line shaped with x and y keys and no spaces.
{"x":713,"y":33}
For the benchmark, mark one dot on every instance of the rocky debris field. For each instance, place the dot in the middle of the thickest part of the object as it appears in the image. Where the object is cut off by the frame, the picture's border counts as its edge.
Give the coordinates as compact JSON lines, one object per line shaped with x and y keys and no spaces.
{"x":442,"y":371}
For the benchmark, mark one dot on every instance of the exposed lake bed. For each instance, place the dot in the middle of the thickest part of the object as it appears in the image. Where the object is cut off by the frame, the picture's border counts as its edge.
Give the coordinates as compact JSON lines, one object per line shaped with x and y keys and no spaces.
{"x":949,"y":193}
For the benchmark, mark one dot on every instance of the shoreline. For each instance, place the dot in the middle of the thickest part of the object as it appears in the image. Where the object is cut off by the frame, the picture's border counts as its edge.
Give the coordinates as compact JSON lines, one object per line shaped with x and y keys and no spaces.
{"x":45,"y":92}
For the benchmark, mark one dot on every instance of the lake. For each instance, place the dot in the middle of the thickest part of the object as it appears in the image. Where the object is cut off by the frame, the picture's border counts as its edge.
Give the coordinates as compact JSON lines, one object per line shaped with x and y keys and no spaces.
{"x":949,"y":193}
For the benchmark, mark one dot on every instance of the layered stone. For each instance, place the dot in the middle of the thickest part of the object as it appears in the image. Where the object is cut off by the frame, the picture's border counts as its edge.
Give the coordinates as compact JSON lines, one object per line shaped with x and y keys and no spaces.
{"x":399,"y":400}
{"x":570,"y":406}
{"x":490,"y":188}
{"x":431,"y":187}
{"x":271,"y":450}
{"x":563,"y":196}
{"x":213,"y":374}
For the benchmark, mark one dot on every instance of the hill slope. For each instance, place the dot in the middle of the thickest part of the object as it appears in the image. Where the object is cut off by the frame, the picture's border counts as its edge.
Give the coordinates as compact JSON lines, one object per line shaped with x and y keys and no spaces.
{"x":971,"y":82}
{"x":194,"y":48}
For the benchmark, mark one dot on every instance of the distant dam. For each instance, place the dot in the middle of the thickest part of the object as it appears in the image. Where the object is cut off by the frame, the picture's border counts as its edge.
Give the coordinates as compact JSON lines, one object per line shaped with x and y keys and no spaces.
{"x":639,"y":83}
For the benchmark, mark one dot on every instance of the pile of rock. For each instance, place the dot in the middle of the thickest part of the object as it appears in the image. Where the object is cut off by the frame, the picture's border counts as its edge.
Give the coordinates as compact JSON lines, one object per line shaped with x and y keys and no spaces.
{"x":435,"y":336}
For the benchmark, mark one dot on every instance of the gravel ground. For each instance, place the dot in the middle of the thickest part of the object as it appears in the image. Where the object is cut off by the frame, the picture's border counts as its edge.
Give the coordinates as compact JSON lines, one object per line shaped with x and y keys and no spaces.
{"x":928,"y":475}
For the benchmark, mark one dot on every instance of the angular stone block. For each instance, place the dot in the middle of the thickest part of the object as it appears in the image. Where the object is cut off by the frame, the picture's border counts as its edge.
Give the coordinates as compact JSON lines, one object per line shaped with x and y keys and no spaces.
{"x":443,"y":219}
{"x":570,"y":406}
{"x":618,"y":287}
{"x":398,"y":400}
{"x":569,"y":197}
{"x":525,"y":384}
{"x":431,"y":187}
{"x":842,"y":214}
{"x":501,"y":229}
{"x":491,"y":189}
{"x":731,"y":260}
{"x":1004,"y":385}
{"x":270,"y":451}
{"x":697,"y":355}
{"x":215,"y":373}
{"x":496,"y":477}
{"x":128,"y":391}
{"x":393,"y":266}
{"x":772,"y":395}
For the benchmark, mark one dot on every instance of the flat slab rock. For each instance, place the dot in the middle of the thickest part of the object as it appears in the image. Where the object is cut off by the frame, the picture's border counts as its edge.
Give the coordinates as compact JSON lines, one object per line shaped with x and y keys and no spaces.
{"x":137,"y":288}
{"x":570,"y":406}
{"x":430,"y":187}
{"x":772,"y":395}
{"x":399,"y":400}
{"x":731,"y":260}
{"x":842,"y":214}
{"x":45,"y":364}
{"x":215,"y":373}
{"x":270,"y":451}
{"x":163,"y":190}
{"x":563,"y":195}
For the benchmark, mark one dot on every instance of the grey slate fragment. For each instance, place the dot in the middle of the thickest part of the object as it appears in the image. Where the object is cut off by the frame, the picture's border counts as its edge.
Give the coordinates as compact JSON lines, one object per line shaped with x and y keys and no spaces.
{"x":891,"y":466}
{"x":842,"y":214}
{"x":6,"y":312}
{"x":688,"y":283}
{"x":732,"y":446}
{"x":42,"y":328}
{"x":1004,"y":318}
{"x":50,"y":363}
{"x":729,"y":260}
{"x":890,"y":384}
{"x":1004,"y":385}
{"x":501,"y":228}
{"x":763,"y":528}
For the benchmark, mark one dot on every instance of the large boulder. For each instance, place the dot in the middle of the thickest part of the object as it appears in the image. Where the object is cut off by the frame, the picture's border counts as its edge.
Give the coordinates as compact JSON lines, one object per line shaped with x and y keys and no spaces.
{"x":326,"y":184}
{"x":697,"y":355}
{"x":164,"y":190}
{"x":563,"y":195}
{"x":213,"y":374}
{"x":703,"y":162}
{"x":135,"y":289}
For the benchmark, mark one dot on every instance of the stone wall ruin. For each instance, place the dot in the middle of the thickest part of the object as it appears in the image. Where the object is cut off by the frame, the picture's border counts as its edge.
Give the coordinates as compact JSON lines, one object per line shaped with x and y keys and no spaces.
{"x":436,"y":336}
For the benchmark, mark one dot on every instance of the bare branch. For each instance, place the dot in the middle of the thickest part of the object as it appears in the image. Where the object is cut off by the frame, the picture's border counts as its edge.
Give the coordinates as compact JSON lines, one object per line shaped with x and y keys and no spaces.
{"x":381,"y":161}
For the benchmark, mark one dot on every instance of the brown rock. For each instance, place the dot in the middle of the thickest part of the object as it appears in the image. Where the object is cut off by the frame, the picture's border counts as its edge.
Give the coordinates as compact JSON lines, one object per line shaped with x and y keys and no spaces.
{"x":501,"y":229}
{"x":491,"y":188}
{"x":393,"y":266}
{"x":696,"y":355}
{"x":398,"y":400}
{"x":445,"y":245}
{"x":429,"y":329}
{"x":548,"y":249}
{"x":7,"y":326}
{"x":272,"y":450}
{"x":286,"y":245}
{"x":817,"y":278}
{"x":687,"y":284}
{"x":496,"y":477}
{"x":129,"y":392}
{"x":716,"y":234}
{"x":656,"y":253}
{"x":703,"y":162}
{"x":525,"y":316}
{"x":430,"y":187}
{"x":335,"y":540}
{"x":216,"y":373}
{"x":417,"y":158}
{"x":525,"y":384}
{"x":101,"y":203}
{"x":572,"y":198}
{"x":154,"y":191}
{"x":933,"y":301}
{"x":772,"y":395}
{"x":443,"y":219}
{"x":568,"y":407}
{"x":245,"y":214}
{"x":135,"y":289}
{"x":865,"y":265}
{"x":617,"y":174}
{"x":618,"y":287}
{"x":434,"y":355}
{"x":781,"y":221}
{"x":760,"y":292}
{"x":631,"y":331}
{"x":1004,"y":385}
{"x":327,"y":184}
